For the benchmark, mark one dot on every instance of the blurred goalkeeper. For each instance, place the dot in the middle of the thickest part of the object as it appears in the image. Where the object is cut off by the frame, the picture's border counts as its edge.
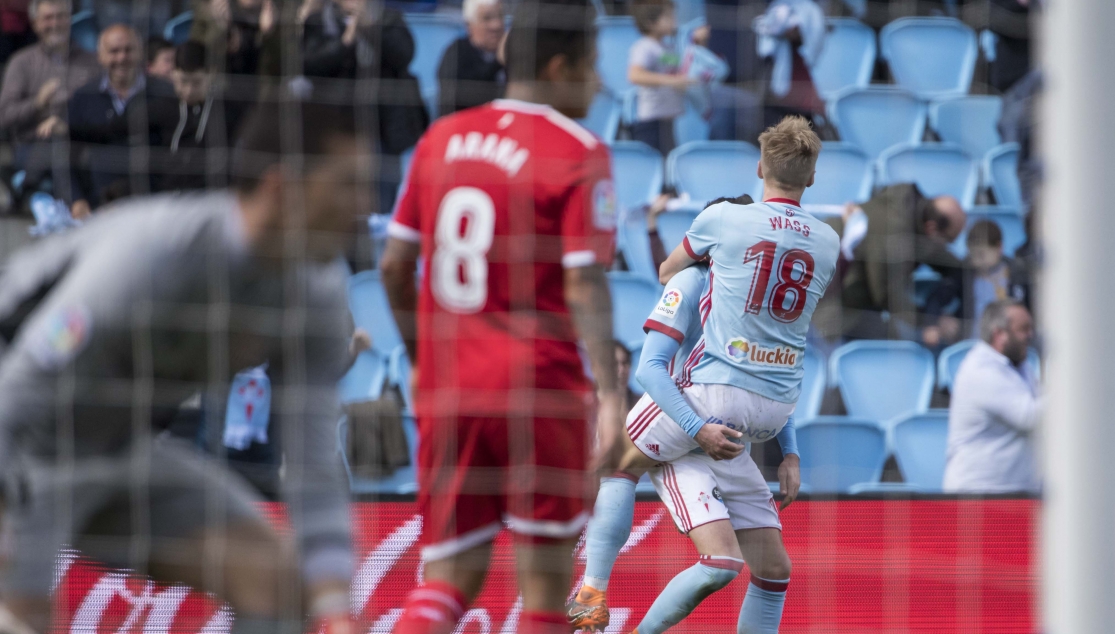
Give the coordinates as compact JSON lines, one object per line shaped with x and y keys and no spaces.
{"x":148,"y":304}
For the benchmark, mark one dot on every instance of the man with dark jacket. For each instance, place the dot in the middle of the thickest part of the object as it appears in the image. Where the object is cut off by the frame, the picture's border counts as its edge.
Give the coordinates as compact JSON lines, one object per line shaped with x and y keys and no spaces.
{"x":470,"y":73}
{"x":114,"y":119}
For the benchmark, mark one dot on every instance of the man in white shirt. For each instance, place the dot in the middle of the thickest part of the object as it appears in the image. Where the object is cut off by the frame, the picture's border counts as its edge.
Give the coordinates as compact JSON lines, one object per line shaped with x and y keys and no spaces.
{"x":995,"y":408}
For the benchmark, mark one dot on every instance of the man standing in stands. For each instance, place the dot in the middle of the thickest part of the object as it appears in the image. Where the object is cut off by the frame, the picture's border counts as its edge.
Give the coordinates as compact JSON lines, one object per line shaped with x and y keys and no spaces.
{"x":470,"y":73}
{"x":37,"y":84}
{"x":512,"y":208}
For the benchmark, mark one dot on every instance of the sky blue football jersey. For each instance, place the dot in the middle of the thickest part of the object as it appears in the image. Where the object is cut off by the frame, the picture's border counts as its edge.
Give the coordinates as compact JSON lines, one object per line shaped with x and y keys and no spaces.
{"x":677,"y":313}
{"x":770,"y":264}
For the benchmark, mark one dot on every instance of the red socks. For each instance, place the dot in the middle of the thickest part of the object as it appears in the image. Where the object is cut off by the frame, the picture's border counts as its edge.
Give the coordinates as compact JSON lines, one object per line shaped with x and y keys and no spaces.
{"x":433,"y":608}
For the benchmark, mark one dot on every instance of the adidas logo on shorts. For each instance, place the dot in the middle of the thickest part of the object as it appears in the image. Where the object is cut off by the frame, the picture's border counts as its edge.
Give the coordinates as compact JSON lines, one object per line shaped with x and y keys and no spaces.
{"x":653,"y":449}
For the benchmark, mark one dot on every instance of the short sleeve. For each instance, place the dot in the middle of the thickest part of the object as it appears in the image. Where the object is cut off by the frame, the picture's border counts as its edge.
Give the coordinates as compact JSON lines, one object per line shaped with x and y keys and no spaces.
{"x":406,"y":222}
{"x":702,"y":236}
{"x":588,"y":222}
{"x":676,"y":310}
{"x":642,"y":54}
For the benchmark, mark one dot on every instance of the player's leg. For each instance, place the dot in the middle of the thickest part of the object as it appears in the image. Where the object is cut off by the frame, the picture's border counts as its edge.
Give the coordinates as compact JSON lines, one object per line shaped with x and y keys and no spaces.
{"x":689,"y":490}
{"x":769,"y":563}
{"x":545,"y":572}
{"x":610,"y":526}
{"x":461,"y":508}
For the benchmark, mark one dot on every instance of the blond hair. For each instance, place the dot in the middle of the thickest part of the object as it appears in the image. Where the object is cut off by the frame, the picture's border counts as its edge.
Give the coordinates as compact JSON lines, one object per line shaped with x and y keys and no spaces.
{"x":789,"y":152}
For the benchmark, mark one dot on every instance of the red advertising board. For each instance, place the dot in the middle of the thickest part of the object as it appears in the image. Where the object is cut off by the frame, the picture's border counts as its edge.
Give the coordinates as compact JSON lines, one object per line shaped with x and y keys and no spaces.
{"x":932,"y":566}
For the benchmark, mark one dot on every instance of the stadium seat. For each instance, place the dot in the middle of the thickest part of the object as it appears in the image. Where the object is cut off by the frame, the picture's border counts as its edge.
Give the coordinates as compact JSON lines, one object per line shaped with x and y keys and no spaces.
{"x":177,"y":29}
{"x":402,"y":482}
{"x":707,"y":170}
{"x":1010,"y":223}
{"x":633,"y":298}
{"x":433,"y":33}
{"x":634,"y":242}
{"x":874,"y":119}
{"x":845,"y":175}
{"x":848,"y":58}
{"x":603,"y":117}
{"x":364,"y":381}
{"x":936,"y":168}
{"x":83,"y":30}
{"x":948,"y":363}
{"x":931,"y":57}
{"x":690,"y":126}
{"x":638,"y":173}
{"x":876,"y":488}
{"x":370,"y":311}
{"x":672,"y":227}
{"x":970,"y":122}
{"x":813,"y":385}
{"x":882,"y":380}
{"x":614,"y":37}
{"x":1000,"y":173}
{"x":838,"y":452}
{"x":919,"y":443}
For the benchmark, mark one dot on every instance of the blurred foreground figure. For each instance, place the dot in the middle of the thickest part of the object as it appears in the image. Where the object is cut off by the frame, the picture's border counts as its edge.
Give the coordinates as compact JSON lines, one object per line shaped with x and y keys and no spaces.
{"x":512,"y":207}
{"x":148,"y":304}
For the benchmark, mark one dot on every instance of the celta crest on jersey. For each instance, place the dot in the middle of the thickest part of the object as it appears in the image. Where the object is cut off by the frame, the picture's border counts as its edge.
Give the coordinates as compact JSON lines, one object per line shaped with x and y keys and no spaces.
{"x":502,"y":152}
{"x":741,"y":350}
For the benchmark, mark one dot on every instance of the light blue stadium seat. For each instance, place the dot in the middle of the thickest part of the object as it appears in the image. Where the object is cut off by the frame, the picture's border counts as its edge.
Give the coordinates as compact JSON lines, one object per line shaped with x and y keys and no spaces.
{"x":838,"y":452}
{"x":970,"y":122}
{"x":370,"y":311}
{"x":1000,"y":173}
{"x":937,"y":169}
{"x":948,"y":363}
{"x":931,"y":57}
{"x":875,"y":119}
{"x":633,"y":298}
{"x":365,"y":379}
{"x":614,"y":37}
{"x":919,"y":443}
{"x":83,"y":30}
{"x":433,"y":33}
{"x":638,"y":171}
{"x":177,"y":29}
{"x":403,"y":481}
{"x":672,"y":227}
{"x":848,"y":58}
{"x":690,"y":126}
{"x":844,"y":174}
{"x":1010,"y":223}
{"x":707,"y":170}
{"x":813,"y":385}
{"x":882,"y":380}
{"x":635,"y":245}
{"x":604,"y":116}
{"x":876,"y":488}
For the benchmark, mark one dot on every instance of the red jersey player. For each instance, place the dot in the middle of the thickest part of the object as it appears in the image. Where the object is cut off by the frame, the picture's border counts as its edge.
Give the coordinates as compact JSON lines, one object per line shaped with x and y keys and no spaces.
{"x":511,"y":207}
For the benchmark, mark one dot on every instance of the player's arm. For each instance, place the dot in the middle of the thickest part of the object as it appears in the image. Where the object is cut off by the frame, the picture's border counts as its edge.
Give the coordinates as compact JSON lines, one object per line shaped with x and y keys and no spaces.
{"x":398,"y":270}
{"x":678,"y":261}
{"x":697,"y":245}
{"x":590,"y":303}
{"x":654,"y":375}
{"x":789,"y":472}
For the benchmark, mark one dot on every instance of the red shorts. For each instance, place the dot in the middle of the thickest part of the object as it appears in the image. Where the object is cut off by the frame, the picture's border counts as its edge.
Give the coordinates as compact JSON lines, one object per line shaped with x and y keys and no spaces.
{"x":476,"y":474}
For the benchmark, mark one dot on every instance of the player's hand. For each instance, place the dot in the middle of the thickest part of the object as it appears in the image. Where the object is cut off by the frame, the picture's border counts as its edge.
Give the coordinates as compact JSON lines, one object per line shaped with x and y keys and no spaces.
{"x":717,"y":442}
{"x":789,"y":480}
{"x":609,"y":432}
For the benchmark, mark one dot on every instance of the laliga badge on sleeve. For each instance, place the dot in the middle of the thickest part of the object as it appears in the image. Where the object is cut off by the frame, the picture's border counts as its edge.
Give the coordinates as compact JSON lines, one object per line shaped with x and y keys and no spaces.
{"x":669,"y":304}
{"x":604,"y":205}
{"x":61,"y":337}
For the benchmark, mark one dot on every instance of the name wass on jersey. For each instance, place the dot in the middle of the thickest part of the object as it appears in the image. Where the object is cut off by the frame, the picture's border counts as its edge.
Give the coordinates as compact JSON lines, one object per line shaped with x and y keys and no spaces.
{"x":770,"y":264}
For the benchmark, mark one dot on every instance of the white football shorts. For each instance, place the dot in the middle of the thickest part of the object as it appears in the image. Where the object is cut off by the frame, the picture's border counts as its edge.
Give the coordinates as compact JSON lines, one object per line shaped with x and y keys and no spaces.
{"x":661,"y":439}
{"x":697,"y":490}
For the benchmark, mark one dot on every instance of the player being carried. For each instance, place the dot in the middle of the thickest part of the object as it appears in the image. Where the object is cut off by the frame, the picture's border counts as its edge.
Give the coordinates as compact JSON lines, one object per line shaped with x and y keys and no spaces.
{"x":511,"y":205}
{"x":769,"y":264}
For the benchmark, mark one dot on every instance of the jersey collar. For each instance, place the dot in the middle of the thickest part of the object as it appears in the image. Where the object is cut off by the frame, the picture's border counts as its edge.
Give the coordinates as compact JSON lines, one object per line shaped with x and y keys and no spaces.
{"x":784,"y":201}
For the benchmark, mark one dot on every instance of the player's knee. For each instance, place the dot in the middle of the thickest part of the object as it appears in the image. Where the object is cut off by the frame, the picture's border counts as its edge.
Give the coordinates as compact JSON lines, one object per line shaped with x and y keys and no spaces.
{"x":775,"y":567}
{"x":718,"y":573}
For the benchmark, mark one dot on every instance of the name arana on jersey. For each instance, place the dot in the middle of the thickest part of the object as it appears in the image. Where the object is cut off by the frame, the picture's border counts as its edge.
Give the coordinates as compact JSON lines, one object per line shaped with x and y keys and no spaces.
{"x":502,"y":152}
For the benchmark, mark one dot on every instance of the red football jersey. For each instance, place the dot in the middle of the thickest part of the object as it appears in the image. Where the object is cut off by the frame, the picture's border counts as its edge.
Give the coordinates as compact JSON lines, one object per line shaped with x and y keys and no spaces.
{"x":503,"y":197}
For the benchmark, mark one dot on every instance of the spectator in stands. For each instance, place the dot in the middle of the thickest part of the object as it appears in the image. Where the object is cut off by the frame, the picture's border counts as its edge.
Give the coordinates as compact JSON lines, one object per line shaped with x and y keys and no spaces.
{"x":160,"y":58}
{"x":653,"y":66}
{"x":989,"y":275}
{"x":37,"y":84}
{"x":206,"y":124}
{"x":15,"y":28}
{"x":114,"y":114}
{"x":623,"y":370}
{"x":791,"y":36}
{"x":234,"y":31}
{"x":995,"y":408}
{"x":470,"y":73}
{"x":882,"y":242}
